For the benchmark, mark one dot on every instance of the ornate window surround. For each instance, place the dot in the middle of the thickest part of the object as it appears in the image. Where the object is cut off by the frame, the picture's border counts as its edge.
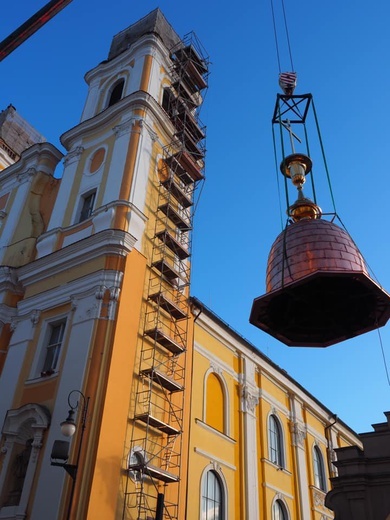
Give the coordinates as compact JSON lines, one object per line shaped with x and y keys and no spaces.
{"x":39,"y":418}
{"x":279,"y":498}
{"x":215,"y":468}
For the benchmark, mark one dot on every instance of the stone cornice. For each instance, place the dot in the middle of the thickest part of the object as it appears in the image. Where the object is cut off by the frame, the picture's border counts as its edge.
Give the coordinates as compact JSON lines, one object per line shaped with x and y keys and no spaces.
{"x":144,"y":44}
{"x":91,"y":287}
{"x":108,"y":242}
{"x":137,"y":100}
{"x":28,"y":159}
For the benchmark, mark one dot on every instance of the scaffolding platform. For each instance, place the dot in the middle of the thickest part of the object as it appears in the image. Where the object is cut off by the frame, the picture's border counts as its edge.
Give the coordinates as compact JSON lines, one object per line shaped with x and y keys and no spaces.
{"x":161,"y":378}
{"x":179,"y":194}
{"x":189,"y":61}
{"x":150,"y":420}
{"x":173,"y":244}
{"x":180,"y":222}
{"x":185,"y":167}
{"x":165,"y":340}
{"x":166,"y":270}
{"x":165,"y":303}
{"x":155,"y":472}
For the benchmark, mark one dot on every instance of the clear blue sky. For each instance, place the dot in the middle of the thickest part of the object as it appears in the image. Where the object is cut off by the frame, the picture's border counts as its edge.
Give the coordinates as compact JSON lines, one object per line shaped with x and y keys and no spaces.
{"x":340,"y":51}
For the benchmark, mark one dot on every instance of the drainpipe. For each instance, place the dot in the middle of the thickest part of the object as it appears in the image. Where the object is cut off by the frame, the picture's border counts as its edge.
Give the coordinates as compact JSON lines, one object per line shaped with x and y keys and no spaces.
{"x":328,"y":436}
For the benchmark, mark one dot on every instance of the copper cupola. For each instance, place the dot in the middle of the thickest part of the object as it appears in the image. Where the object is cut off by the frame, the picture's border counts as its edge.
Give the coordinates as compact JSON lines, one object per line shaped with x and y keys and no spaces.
{"x":318,"y":288}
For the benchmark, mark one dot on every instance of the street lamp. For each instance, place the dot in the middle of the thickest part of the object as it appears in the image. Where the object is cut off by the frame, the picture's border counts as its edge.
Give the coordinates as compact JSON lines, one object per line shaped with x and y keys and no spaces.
{"x":60,"y":451}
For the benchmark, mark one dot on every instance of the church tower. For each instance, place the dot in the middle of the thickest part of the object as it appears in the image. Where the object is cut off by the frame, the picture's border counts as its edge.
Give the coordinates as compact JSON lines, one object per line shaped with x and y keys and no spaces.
{"x":94,"y":310}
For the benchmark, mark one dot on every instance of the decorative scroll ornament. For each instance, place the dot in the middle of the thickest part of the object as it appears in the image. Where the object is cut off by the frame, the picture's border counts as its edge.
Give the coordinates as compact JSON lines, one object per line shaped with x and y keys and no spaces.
{"x":74,"y":155}
{"x":216,"y":369}
{"x":249,"y":399}
{"x":34,"y":317}
{"x":299,"y":434}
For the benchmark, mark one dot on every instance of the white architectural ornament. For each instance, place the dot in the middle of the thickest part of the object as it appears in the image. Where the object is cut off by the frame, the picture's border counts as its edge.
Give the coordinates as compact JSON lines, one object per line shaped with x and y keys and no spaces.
{"x":249,"y":399}
{"x":319,"y":498}
{"x":114,"y":293}
{"x":125,"y":127}
{"x":215,"y":368}
{"x":13,"y":325}
{"x":299,"y":433}
{"x":24,"y":176}
{"x":216,"y":467}
{"x":114,"y":298}
{"x":100,"y":291}
{"x":73,"y":155}
{"x":22,"y":425}
{"x":36,"y":446}
{"x":34,"y":317}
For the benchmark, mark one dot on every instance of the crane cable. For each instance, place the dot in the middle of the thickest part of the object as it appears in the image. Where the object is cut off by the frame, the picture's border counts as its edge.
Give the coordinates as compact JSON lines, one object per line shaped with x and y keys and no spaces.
{"x":276,"y":35}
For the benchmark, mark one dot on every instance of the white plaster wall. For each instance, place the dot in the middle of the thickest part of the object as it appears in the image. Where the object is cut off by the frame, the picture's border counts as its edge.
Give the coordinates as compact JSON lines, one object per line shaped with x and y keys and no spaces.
{"x":91,"y":101}
{"x":12,"y":219}
{"x":249,"y":402}
{"x":141,"y":173}
{"x":62,"y":201}
{"x":117,"y":165}
{"x":51,"y":479}
{"x":9,"y":378}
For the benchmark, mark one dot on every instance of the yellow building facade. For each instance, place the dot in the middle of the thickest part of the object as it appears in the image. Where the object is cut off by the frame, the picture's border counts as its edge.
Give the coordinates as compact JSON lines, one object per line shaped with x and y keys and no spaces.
{"x":260,"y":440}
{"x":176,"y":416}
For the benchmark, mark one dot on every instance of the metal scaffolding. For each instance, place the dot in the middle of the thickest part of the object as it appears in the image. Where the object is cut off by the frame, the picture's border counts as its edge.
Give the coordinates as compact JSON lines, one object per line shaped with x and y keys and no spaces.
{"x":156,"y":443}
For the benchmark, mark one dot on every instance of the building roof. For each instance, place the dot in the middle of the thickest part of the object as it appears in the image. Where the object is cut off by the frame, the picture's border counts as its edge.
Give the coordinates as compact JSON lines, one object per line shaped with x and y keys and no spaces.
{"x":153,"y":23}
{"x":16,"y":132}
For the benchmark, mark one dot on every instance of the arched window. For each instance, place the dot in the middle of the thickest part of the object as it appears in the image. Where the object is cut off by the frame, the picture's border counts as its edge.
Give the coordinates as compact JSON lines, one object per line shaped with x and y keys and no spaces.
{"x":319,"y":469}
{"x":279,"y":511}
{"x":116,"y":93}
{"x":215,"y":403}
{"x":275,"y":441}
{"x":212,"y":497}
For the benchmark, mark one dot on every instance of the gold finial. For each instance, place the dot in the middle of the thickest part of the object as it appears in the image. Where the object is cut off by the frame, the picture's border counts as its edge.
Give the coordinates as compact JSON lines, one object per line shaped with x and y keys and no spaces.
{"x":296,"y":166}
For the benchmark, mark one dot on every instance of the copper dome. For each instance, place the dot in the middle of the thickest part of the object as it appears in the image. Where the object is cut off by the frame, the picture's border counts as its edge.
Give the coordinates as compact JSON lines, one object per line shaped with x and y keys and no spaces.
{"x":319,"y":291}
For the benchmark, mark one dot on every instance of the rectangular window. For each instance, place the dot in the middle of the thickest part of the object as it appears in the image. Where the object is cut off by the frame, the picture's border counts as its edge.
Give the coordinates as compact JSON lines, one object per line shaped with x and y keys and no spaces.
{"x":88,"y":200}
{"x":53,"y":348}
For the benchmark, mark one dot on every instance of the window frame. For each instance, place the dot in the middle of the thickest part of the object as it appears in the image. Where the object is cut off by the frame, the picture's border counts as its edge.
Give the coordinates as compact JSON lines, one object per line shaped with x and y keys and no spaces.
{"x":115,"y":85}
{"x":37,"y":371}
{"x":222,"y":515}
{"x":279,"y":510}
{"x":275,"y":441}
{"x":85,"y":212}
{"x":48,"y":365}
{"x":319,"y":469}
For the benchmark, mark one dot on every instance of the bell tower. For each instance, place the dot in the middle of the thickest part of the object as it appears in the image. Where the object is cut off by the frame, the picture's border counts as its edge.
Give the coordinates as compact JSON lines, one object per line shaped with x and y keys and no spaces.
{"x":105,"y":306}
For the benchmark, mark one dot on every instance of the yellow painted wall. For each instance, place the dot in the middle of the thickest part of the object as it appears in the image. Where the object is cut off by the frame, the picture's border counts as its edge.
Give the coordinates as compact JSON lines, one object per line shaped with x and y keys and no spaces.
{"x":214,"y":403}
{"x":206,"y":427}
{"x":107,"y":485}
